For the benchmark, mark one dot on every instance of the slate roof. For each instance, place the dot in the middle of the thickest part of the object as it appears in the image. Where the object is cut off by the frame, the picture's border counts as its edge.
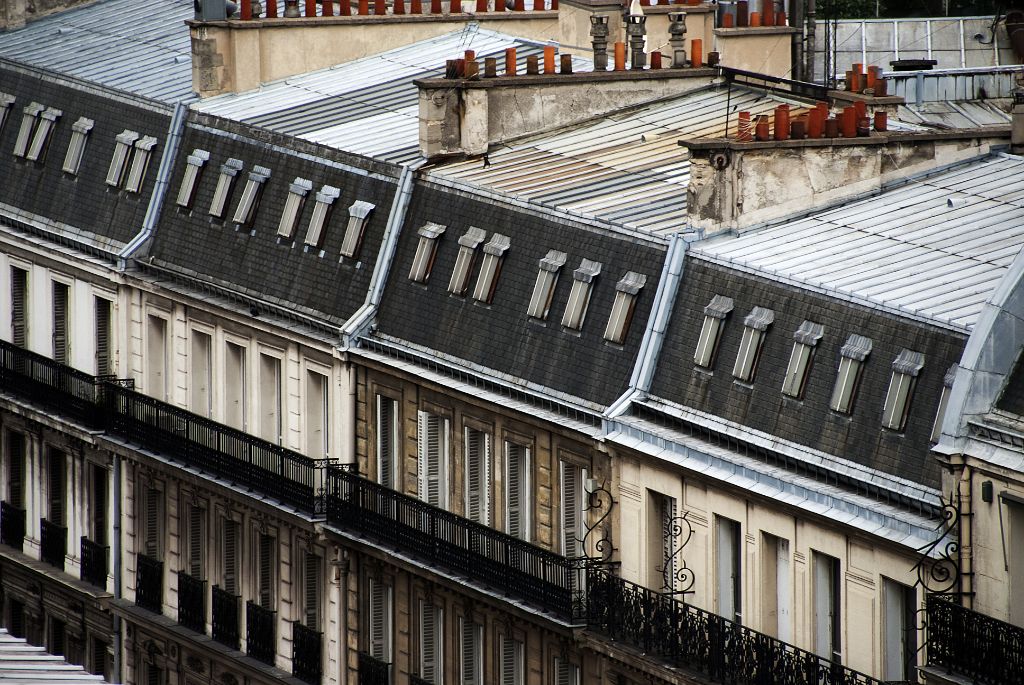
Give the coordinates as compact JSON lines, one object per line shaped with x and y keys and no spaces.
{"x":196,"y":244}
{"x":500,"y":336}
{"x":139,"y":47}
{"x":81,"y":207}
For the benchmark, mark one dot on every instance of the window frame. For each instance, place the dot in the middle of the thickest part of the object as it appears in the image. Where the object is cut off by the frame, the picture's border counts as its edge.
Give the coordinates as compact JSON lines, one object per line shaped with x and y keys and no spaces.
{"x":548,"y":270}
{"x":387,"y":463}
{"x":248,"y":204}
{"x":940,"y":412}
{"x":525,"y":482}
{"x":579,"y":296}
{"x":853,"y":355}
{"x":123,"y":143}
{"x":485,"y":468}
{"x":798,"y":370}
{"x":755,"y":327}
{"x":6,"y":101}
{"x":896,"y":407}
{"x":426,"y":252}
{"x":321,"y":217}
{"x":142,"y":153}
{"x":229,"y":170}
{"x":294,"y":203}
{"x":76,"y":146}
{"x":46,"y":122}
{"x":423,"y":476}
{"x":465,"y":260}
{"x":29,"y":121}
{"x":355,"y":230}
{"x":190,"y":177}
{"x":475,"y":633}
{"x":490,"y":268}
{"x":627,"y":292}
{"x":715,"y":314}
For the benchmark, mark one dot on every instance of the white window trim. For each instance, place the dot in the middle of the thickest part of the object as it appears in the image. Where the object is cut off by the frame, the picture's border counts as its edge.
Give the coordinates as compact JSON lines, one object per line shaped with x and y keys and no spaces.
{"x":487,"y":279}
{"x":754,"y":328}
{"x":6,"y":100}
{"x":46,"y":122}
{"x":468,"y":243}
{"x":426,"y":252}
{"x":76,"y":147}
{"x":219,"y":202}
{"x":853,"y":354}
{"x":544,"y":288}
{"x":29,"y":120}
{"x":140,"y":163}
{"x":940,"y":413}
{"x":292,"y":211}
{"x":380,"y":648}
{"x":245,"y":211}
{"x":905,"y":369}
{"x":485,"y":478}
{"x":119,"y":160}
{"x":190,"y":177}
{"x":475,"y":632}
{"x":321,"y":215}
{"x":516,"y":677}
{"x":443,"y":455}
{"x":525,"y":510}
{"x":805,"y":341}
{"x":626,"y":292}
{"x":391,"y":459}
{"x":435,"y":662}
{"x":358,"y":216}
{"x":579,"y":297}
{"x":711,"y":331}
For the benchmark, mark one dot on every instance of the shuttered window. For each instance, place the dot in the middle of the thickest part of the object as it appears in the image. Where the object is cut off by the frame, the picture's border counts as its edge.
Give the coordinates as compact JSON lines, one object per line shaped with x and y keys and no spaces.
{"x":358,"y":215}
{"x":229,"y":556}
{"x":140,"y":163}
{"x":194,"y":543}
{"x":103,"y":348}
{"x":566,"y":673}
{"x":667,"y":513}
{"x":490,"y":269}
{"x":44,"y":130}
{"x":15,"y":458}
{"x":156,"y":357}
{"x":245,"y":211}
{"x":905,"y":369}
{"x":190,"y":178}
{"x":431,"y":622}
{"x":432,"y":447}
{"x":119,"y":160}
{"x":29,"y":120}
{"x":19,"y":306}
{"x":426,"y":252}
{"x":292,"y":212}
{"x":805,"y":341}
{"x":225,"y":182}
{"x":152,"y":501}
{"x":544,"y":287}
{"x":626,"y":292}
{"x":940,"y":414}
{"x":471,"y":653}
{"x":271,"y":427}
{"x":321,"y":216}
{"x":56,"y":494}
{"x":465,"y":260}
{"x":235,"y":391}
{"x":579,"y":296}
{"x":572,"y":505}
{"x":311,"y":591}
{"x":754,"y":327}
{"x":379,"y":614}
{"x":387,"y":441}
{"x":853,"y":354}
{"x":511,"y":665}
{"x":317,"y":410}
{"x":98,"y":478}
{"x":267,"y":564}
{"x":76,"y":147}
{"x":517,"y":484}
{"x":711,"y":331}
{"x":478,"y":475}
{"x":61,"y":346}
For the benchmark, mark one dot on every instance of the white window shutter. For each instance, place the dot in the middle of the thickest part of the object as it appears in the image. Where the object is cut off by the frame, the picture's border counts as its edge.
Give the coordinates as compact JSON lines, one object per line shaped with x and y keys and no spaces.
{"x":515,"y":480}
{"x":380,"y":621}
{"x":152,"y":511}
{"x":311,"y":588}
{"x":386,"y":440}
{"x":432,"y":446}
{"x":230,"y":584}
{"x":430,"y":668}
{"x":195,"y":532}
{"x":570,"y":509}
{"x":477,"y":476}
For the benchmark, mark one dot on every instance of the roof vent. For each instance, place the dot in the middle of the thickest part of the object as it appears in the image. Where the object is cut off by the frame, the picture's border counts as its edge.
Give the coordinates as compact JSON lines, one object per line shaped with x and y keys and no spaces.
{"x":956,"y":201}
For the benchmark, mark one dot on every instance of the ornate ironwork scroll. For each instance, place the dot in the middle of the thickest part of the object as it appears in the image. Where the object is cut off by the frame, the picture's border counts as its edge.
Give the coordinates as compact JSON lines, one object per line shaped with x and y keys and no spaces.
{"x":677,"y":577}
{"x":940,"y":567}
{"x":597,"y":537}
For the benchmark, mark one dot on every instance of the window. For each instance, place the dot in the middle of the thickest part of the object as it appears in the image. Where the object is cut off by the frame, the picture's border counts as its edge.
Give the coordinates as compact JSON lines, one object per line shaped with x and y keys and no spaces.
{"x":98,"y":664}
{"x":626,"y":291}
{"x":76,"y":148}
{"x":225,"y":182}
{"x":99,"y":486}
{"x":321,"y":214}
{"x":805,"y":341}
{"x":28,"y":127}
{"x":195,"y":536}
{"x":44,"y":129}
{"x":190,"y":179}
{"x":56,"y":480}
{"x":317,"y":411}
{"x":729,"y":588}
{"x":201,"y":375}
{"x":270,"y":399}
{"x":379,"y":620}
{"x":297,"y":192}
{"x":544,"y":288}
{"x":826,"y":607}
{"x":711,"y":331}
{"x":140,"y":163}
{"x":899,"y":631}
{"x":511,"y":665}
{"x":517,"y":490}
{"x":156,"y":357}
{"x":464,"y":261}
{"x":432,"y":448}
{"x":940,"y":414}
{"x":387,"y":441}
{"x":19,"y":306}
{"x":776,"y":593}
{"x":61,"y":346}
{"x":58,"y":637}
{"x":754,"y":327}
{"x":229,"y":554}
{"x":431,"y":634}
{"x":311,"y":574}
{"x":6,"y":100}
{"x":245,"y":212}
{"x":358,"y":215}
{"x":15,"y":458}
{"x":471,"y":662}
{"x":478,"y":476}
{"x":572,"y":509}
{"x":566,"y":672}
{"x":579,"y":296}
{"x":152,"y":514}
{"x":267,"y":564}
{"x":854,"y":352}
{"x":235,"y":393}
{"x":490,"y":269}
{"x":103,"y":336}
{"x":905,"y":369}
{"x":122,"y":149}
{"x":426,"y":252}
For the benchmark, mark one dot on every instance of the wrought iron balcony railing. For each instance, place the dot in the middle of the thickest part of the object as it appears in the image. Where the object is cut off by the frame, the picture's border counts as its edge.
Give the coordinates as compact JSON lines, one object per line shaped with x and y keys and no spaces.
{"x":307,"y":655}
{"x":260,"y":641}
{"x":94,"y":563}
{"x":373,"y":671}
{"x":12,"y":525}
{"x":191,"y":602}
{"x":42,"y":381}
{"x":149,"y":583}
{"x":439,"y":537}
{"x":53,"y":543}
{"x":697,"y":640}
{"x":973,"y":645}
{"x":225,"y":617}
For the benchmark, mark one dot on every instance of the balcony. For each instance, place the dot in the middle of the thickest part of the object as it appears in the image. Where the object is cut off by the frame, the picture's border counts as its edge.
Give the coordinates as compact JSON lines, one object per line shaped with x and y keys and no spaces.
{"x":94,"y":563}
{"x":373,"y":671}
{"x":149,"y":583}
{"x":260,"y":640}
{"x":307,"y":657}
{"x":191,"y":602}
{"x":12,"y":525}
{"x":440,"y":538}
{"x":225,"y":617}
{"x":40,"y":380}
{"x":971,"y":645}
{"x":53,"y":543}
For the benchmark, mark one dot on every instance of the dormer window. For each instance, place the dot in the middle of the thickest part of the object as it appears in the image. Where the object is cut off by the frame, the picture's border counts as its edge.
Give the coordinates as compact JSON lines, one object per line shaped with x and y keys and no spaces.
{"x":41,"y":139}
{"x":225,"y":181}
{"x":358,"y":215}
{"x":426,"y":252}
{"x":76,"y":148}
{"x":190,"y":179}
{"x":6,"y":100}
{"x":711,"y":331}
{"x":805,"y":341}
{"x":579,"y":296}
{"x":754,"y":327}
{"x":321,"y":213}
{"x":905,"y":369}
{"x":468,"y":243}
{"x":122,"y":149}
{"x":487,"y":280}
{"x":297,"y":192}
{"x":626,"y":291}
{"x":940,"y":414}
{"x":245,"y":212}
{"x":29,"y":119}
{"x":853,"y":354}
{"x":140,"y":163}
{"x":544,"y":288}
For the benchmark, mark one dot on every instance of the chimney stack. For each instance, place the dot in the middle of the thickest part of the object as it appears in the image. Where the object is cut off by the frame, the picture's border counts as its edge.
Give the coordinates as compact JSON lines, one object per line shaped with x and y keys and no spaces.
{"x":677,"y":38}
{"x":637,"y":31}
{"x":599,"y":40}
{"x":1017,"y":120}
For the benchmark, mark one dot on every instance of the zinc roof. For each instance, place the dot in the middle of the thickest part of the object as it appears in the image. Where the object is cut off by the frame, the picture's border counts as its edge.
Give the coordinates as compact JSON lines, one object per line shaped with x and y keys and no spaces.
{"x":21,"y":662}
{"x":626,"y":168}
{"x":934,"y":248}
{"x":138,"y":47}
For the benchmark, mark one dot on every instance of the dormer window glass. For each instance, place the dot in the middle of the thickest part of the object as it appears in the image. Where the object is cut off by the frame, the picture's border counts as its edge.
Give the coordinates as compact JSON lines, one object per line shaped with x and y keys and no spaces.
{"x":140,"y":163}
{"x":358,"y":215}
{"x":626,"y":291}
{"x":468,"y":244}
{"x":487,"y":280}
{"x":940,"y":414}
{"x":190,"y":179}
{"x":297,"y":192}
{"x":76,"y":148}
{"x":321,"y":213}
{"x":805,"y":341}
{"x":905,"y":369}
{"x":6,"y":100}
{"x":544,"y":288}
{"x":851,"y":363}
{"x":228,"y":171}
{"x":579,"y":296}
{"x":426,"y":252}
{"x":29,"y":119}
{"x":754,"y":327}
{"x":711,"y":332}
{"x":122,"y":149}
{"x":41,"y":139}
{"x":245,"y":212}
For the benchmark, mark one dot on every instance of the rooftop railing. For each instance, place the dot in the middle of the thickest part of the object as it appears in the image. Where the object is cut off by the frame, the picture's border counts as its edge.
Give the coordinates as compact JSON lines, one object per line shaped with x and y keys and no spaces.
{"x":972,"y":645}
